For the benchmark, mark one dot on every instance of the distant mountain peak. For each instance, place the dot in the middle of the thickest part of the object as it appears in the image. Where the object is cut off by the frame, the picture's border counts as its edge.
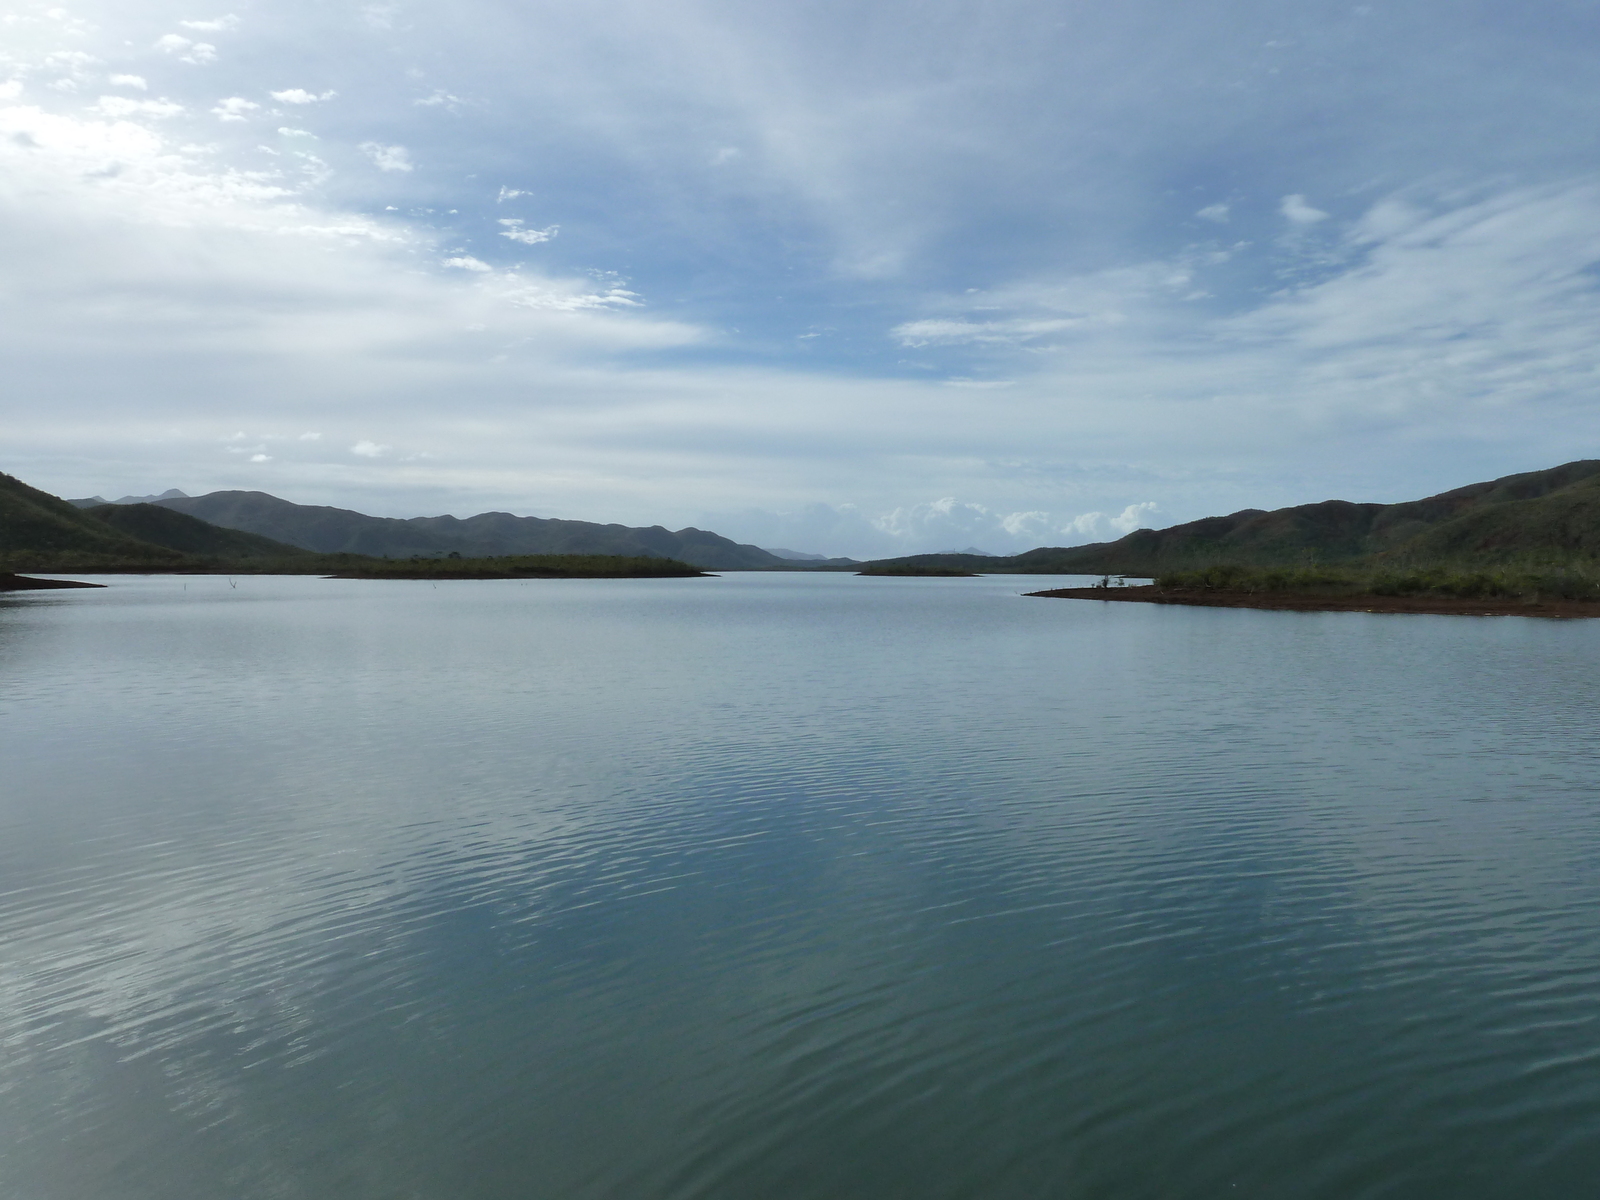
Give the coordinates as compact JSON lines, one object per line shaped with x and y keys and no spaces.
{"x":169,"y":494}
{"x":795,"y":555}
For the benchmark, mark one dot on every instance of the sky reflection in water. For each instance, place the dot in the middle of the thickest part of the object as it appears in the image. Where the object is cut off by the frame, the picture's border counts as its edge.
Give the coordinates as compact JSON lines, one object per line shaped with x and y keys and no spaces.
{"x":790,"y":887}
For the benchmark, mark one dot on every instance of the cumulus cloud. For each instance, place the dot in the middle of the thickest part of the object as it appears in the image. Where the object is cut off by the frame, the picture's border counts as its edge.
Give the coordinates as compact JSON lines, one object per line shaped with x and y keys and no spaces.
{"x":234,"y":108}
{"x":368,"y":449}
{"x":198,"y":53}
{"x":465,"y":262}
{"x":952,"y":524}
{"x":133,"y":81}
{"x":1098,"y":525}
{"x":528,"y":237}
{"x":507,"y":193}
{"x":387,"y":158}
{"x":1217,"y":213}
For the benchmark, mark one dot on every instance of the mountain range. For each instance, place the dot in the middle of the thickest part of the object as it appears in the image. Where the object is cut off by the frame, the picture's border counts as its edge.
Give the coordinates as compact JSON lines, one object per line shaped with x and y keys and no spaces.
{"x":326,"y":530}
{"x":1550,"y":516}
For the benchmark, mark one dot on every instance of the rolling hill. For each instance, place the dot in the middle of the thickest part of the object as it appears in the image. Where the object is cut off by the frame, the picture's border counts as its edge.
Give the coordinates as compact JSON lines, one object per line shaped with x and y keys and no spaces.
{"x":1548,"y":515}
{"x":36,"y":522}
{"x":190,"y":535}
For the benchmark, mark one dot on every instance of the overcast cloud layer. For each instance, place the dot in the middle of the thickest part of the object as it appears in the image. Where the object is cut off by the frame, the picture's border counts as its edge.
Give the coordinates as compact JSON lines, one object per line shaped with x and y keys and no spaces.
{"x":854,"y":279}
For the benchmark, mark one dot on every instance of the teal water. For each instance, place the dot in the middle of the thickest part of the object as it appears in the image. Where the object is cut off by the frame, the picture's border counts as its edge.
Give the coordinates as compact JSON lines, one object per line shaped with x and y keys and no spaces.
{"x":790,"y":888}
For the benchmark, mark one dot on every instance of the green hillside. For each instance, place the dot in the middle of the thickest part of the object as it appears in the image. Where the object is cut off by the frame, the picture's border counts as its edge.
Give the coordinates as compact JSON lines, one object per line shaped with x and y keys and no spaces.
{"x":39,"y":532}
{"x":35,"y":524}
{"x":1535,"y":518}
{"x":179,"y":531}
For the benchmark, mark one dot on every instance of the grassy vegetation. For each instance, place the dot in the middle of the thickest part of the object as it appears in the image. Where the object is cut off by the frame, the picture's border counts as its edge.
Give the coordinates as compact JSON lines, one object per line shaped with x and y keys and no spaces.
{"x":1577,"y":580}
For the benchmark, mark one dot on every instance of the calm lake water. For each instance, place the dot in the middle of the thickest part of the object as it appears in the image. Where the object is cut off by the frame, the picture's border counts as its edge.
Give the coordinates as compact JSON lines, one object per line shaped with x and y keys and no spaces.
{"x":790,"y":888}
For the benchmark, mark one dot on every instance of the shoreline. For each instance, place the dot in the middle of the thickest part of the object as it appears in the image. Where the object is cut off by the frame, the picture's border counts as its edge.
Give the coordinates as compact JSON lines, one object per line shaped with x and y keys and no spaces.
{"x":26,"y":583}
{"x":1458,"y":606}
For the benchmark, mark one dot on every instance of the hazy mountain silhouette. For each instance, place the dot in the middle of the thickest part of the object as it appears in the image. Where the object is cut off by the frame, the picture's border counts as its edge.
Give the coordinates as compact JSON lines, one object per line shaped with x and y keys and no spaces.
{"x":339,"y":530}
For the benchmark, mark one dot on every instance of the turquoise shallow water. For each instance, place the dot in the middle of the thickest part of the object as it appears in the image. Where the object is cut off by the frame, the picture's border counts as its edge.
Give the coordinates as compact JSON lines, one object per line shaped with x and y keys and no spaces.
{"x":791,"y":888}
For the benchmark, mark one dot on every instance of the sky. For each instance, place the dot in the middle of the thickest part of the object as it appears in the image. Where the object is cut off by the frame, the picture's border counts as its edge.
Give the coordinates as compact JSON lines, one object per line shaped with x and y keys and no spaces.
{"x":854,"y":279}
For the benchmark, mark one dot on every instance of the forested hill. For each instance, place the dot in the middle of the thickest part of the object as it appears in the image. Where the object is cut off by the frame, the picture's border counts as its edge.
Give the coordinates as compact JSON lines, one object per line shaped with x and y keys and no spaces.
{"x":342,"y":531}
{"x":1552,"y":515}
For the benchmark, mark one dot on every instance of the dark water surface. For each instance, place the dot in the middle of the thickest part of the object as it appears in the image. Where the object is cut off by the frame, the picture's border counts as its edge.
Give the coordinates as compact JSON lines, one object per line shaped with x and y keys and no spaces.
{"x":790,"y":888}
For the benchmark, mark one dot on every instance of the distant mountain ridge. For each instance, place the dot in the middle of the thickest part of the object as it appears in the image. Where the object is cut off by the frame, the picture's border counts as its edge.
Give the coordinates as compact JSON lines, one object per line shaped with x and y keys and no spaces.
{"x":328,"y":530}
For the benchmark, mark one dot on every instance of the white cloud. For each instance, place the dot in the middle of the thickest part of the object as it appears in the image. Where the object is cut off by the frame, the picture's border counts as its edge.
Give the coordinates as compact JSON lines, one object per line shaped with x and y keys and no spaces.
{"x":1217,"y":213}
{"x":122,"y":106}
{"x":310,"y":437}
{"x":75,"y":61}
{"x":1135,"y":516}
{"x":213,"y":25}
{"x":198,"y":53}
{"x":260,"y":458}
{"x":951,"y":524}
{"x":366,"y":449}
{"x":439,"y":99}
{"x":387,"y":158}
{"x":234,"y":108}
{"x":528,"y":237}
{"x":10,"y":89}
{"x":1297,"y":211}
{"x":301,"y":96}
{"x":133,"y":81}
{"x":1099,"y":526}
{"x":507,"y":193}
{"x":465,"y":262}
